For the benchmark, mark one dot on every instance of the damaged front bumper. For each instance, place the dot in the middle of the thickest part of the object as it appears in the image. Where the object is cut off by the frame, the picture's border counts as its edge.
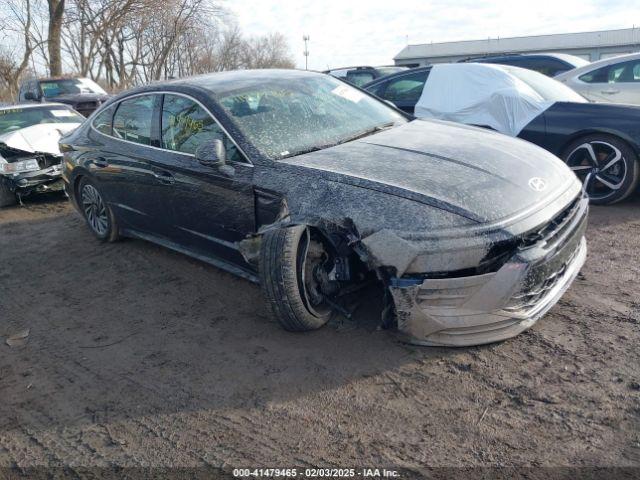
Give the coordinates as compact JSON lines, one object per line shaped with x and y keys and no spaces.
{"x":25,"y":183}
{"x":486,"y":308}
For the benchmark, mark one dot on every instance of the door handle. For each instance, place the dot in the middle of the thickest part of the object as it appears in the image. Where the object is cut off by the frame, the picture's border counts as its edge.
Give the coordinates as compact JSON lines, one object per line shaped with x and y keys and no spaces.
{"x":610,"y":92}
{"x":100,"y":162}
{"x":164,"y":177}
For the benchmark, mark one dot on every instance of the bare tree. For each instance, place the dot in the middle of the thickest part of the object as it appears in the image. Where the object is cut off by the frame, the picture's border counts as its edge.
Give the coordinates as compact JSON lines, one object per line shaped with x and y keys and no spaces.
{"x":15,"y":61}
{"x":56,"y":15}
{"x":120,"y":43}
{"x":269,"y":51}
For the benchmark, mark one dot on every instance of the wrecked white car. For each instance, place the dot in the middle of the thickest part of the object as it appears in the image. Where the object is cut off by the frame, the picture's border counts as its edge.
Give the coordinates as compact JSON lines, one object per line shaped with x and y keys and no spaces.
{"x":29,"y":154}
{"x":312,"y":188}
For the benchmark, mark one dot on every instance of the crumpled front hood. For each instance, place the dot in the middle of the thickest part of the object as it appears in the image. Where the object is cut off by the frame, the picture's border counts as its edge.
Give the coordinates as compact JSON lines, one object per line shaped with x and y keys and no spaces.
{"x":477,"y":174}
{"x":41,"y":138}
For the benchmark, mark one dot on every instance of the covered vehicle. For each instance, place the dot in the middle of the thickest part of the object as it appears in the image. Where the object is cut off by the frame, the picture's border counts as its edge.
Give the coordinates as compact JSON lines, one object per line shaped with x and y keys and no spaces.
{"x":600,"y":142}
{"x":29,"y":153}
{"x":313,"y":188}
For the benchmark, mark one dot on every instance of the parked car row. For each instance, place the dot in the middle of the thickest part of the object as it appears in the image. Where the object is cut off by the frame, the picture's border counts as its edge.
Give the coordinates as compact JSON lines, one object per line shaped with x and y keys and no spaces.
{"x":314,"y":187}
{"x":611,"y":80}
{"x":600,"y":142}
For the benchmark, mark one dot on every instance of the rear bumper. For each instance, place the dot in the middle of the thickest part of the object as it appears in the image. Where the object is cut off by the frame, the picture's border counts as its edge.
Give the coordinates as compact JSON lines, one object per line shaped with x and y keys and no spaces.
{"x":480,"y":309}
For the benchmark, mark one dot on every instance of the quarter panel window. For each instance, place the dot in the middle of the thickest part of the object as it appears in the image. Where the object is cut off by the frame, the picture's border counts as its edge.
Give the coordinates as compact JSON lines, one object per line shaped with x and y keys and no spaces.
{"x":102,"y":122}
{"x":186,"y":125}
{"x":407,"y":88}
{"x":133,"y":119}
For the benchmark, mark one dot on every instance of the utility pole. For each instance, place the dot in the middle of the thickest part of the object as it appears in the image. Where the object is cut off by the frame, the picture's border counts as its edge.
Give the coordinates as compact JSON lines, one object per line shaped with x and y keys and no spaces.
{"x":305,"y":39}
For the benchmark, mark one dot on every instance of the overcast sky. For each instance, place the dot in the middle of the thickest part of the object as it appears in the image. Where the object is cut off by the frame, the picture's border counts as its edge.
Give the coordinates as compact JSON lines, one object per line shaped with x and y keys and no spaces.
{"x":371,"y":32}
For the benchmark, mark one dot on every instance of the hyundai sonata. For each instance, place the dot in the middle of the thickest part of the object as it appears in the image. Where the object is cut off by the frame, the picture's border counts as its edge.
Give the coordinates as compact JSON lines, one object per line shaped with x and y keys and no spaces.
{"x":312,"y":187}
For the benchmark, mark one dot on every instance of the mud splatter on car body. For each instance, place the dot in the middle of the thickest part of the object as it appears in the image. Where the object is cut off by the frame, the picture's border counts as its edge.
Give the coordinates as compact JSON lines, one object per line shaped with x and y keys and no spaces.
{"x":444,"y":215}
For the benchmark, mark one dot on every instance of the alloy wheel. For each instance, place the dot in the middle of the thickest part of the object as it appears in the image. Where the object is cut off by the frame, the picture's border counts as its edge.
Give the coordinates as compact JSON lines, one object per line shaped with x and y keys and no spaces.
{"x":600,"y":166}
{"x":95,"y":210}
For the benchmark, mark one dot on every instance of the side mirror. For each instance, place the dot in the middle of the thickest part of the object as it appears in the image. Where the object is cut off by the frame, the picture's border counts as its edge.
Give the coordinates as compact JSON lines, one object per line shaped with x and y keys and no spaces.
{"x":29,"y":96}
{"x":211,"y":153}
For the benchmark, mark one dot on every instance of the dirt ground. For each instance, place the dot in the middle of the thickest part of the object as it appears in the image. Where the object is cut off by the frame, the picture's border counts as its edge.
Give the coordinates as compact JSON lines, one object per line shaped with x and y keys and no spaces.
{"x":138,"y":356}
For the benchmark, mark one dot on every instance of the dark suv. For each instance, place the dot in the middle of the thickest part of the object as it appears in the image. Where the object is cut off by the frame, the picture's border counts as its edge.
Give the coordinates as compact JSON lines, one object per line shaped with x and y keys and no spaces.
{"x":550,"y":64}
{"x":82,"y":94}
{"x":358,"y":76}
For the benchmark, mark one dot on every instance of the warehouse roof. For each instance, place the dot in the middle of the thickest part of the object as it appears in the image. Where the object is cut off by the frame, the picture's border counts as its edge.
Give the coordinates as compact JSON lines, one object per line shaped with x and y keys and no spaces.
{"x":538,"y":43}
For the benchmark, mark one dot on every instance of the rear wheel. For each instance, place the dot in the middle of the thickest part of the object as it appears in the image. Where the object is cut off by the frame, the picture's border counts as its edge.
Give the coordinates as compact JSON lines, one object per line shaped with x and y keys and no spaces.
{"x":96,"y":212}
{"x":293,"y":264}
{"x":7,"y":197}
{"x":607,"y":167}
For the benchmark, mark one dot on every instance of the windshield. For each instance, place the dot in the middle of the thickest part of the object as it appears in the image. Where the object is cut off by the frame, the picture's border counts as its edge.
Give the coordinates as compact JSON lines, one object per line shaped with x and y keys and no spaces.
{"x":12,"y":119}
{"x":546,"y":87}
{"x":287,"y":117}
{"x":53,"y":88}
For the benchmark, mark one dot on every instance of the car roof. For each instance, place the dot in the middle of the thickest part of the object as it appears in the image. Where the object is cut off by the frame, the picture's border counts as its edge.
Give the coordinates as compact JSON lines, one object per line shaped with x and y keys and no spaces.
{"x":55,"y":79}
{"x":363,"y":67}
{"x":34,"y":105}
{"x":227,"y":81}
{"x":600,"y":63}
{"x":565,"y":57}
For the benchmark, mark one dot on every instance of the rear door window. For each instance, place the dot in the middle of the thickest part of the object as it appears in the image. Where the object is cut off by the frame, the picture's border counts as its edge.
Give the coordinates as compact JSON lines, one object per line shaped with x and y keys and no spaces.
{"x":627,"y":72}
{"x":133,"y":119}
{"x":547,"y":66}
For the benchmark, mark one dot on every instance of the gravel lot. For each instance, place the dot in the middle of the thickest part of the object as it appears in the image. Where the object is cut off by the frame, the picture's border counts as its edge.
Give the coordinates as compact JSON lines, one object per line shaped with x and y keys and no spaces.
{"x":138,"y":356}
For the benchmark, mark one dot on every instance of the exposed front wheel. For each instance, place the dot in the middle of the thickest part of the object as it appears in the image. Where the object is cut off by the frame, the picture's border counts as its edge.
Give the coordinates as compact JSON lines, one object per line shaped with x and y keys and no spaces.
{"x":96,"y":212}
{"x":607,"y":167}
{"x":292,"y":266}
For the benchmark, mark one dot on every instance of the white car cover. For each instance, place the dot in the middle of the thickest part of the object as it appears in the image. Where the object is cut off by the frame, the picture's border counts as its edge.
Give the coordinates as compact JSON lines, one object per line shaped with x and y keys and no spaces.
{"x":480,"y":94}
{"x":42,"y":137}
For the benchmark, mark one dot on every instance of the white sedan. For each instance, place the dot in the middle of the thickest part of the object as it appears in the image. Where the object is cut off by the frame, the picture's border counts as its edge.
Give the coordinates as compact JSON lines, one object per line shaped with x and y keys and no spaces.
{"x":613,"y":80}
{"x":29,"y":154}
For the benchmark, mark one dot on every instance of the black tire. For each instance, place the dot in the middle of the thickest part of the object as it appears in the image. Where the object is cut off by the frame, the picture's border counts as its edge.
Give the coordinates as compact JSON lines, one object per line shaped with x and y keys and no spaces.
{"x":282,"y":279}
{"x":7,"y":197}
{"x":606,"y":165}
{"x":92,"y":205}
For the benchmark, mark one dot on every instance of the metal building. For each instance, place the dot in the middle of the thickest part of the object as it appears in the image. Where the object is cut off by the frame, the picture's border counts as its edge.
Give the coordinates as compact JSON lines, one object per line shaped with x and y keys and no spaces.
{"x":591,"y":46}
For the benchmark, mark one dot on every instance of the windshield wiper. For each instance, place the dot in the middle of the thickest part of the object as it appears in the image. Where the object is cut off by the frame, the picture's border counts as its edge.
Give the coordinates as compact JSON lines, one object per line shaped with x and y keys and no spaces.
{"x":314,"y":148}
{"x":364,"y":133}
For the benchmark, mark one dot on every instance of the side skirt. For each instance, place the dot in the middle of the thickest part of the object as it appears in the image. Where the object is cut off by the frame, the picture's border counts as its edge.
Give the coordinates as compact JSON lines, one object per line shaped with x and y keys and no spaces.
{"x":215,"y":261}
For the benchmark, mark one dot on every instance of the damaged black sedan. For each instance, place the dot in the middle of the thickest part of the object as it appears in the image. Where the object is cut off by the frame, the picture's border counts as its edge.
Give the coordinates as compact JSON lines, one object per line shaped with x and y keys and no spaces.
{"x":312,"y":187}
{"x":29,"y":154}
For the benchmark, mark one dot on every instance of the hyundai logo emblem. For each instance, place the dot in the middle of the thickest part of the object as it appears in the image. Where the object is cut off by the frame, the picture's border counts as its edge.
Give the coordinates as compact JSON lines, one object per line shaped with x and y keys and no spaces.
{"x":538,"y":184}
